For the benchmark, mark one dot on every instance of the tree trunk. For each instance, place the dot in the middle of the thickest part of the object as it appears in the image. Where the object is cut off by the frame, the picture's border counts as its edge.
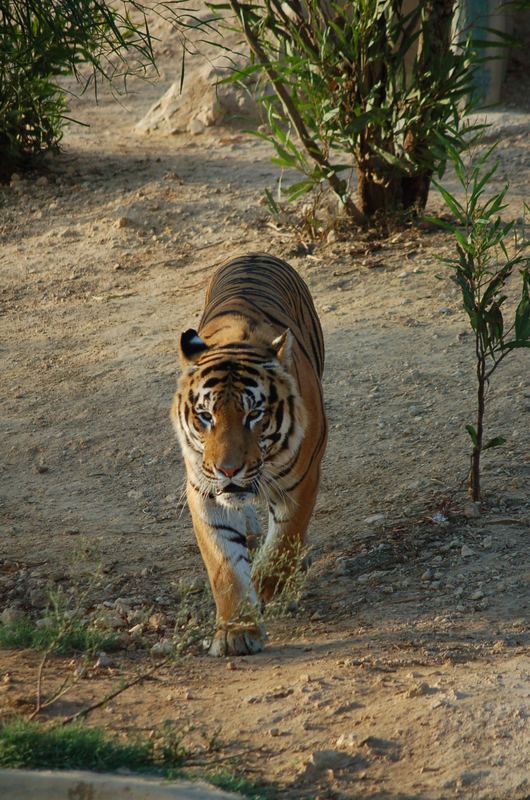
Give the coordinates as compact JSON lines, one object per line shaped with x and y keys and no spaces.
{"x":392,"y":192}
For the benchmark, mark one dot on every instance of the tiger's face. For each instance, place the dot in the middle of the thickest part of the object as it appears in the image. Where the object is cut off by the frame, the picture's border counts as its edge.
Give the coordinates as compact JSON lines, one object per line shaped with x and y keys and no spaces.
{"x":235,"y":412}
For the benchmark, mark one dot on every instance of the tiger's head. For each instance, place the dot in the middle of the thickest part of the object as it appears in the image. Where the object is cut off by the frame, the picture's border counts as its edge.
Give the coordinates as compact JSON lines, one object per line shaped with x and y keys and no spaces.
{"x":238,"y":415}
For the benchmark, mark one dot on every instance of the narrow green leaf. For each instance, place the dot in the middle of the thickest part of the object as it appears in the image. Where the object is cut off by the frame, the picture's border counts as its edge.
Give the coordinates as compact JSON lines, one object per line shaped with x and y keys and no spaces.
{"x":472,"y":432}
{"x":495,"y":442}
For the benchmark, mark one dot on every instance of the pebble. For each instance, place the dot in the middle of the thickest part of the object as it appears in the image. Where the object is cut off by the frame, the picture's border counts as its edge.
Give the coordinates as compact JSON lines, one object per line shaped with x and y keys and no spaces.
{"x":136,"y":630}
{"x":157,"y":621}
{"x":374,"y":519}
{"x":274,"y":731}
{"x":328,"y":759}
{"x":478,"y":594}
{"x":428,"y":575}
{"x":162,"y":648}
{"x":471,"y":510}
{"x":195,"y":127}
{"x":348,"y":740}
{"x":11,"y":614}
{"x":419,"y":690}
{"x":104,"y":660}
{"x":466,"y":551}
{"x":487,"y":542}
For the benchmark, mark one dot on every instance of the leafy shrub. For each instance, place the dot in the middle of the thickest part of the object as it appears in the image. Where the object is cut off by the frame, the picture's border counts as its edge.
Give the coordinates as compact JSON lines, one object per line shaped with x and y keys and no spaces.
{"x":45,"y":39}
{"x":364,"y":80}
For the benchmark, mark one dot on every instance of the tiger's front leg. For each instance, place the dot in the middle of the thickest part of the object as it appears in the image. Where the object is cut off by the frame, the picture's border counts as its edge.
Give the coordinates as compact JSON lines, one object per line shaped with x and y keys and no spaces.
{"x":282,"y":553}
{"x":221,"y":536}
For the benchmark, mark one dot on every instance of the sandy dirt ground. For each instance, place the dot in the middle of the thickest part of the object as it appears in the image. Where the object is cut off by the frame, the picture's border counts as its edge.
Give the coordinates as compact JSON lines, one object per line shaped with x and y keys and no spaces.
{"x":405,"y":671}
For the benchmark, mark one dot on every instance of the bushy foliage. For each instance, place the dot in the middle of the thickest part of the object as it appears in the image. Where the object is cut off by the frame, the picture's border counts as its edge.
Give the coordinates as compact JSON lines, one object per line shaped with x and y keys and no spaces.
{"x":44,"y":39}
{"x":366,"y":84}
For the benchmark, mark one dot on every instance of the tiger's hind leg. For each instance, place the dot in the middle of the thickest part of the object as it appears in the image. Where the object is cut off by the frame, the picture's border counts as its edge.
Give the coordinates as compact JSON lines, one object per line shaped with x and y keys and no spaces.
{"x":221,"y":536}
{"x":253,"y":529}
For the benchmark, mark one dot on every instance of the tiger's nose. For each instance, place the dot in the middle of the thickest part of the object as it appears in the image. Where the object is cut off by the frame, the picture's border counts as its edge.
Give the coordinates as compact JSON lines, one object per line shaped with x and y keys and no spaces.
{"x":229,"y":471}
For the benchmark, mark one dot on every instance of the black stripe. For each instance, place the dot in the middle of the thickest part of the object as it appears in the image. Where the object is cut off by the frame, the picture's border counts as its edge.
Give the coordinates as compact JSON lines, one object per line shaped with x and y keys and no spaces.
{"x":310,"y":461}
{"x":236,"y":538}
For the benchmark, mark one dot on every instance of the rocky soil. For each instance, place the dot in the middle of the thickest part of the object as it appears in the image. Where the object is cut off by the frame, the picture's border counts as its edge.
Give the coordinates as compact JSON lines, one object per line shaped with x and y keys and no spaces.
{"x":405,"y":671}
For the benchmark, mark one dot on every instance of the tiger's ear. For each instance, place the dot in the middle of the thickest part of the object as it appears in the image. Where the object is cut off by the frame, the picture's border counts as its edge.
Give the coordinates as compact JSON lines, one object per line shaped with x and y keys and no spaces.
{"x":283,"y":345}
{"x":191,"y":346}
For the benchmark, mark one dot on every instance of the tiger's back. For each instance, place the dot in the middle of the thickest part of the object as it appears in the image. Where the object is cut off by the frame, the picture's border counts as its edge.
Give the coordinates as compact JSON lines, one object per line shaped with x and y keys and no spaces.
{"x":265,"y":287}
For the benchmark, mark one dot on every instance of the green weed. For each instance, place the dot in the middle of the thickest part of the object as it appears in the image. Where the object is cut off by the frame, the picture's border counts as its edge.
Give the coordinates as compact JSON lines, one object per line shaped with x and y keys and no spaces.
{"x":79,"y":638}
{"x":32,"y":745}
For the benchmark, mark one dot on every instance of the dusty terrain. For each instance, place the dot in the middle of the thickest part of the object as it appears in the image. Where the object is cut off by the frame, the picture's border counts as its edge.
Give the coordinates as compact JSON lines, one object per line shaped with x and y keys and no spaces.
{"x":405,"y":671}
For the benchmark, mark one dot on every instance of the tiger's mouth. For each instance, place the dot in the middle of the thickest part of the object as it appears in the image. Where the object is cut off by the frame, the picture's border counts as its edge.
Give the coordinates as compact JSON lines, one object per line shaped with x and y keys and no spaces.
{"x":234,"y":488}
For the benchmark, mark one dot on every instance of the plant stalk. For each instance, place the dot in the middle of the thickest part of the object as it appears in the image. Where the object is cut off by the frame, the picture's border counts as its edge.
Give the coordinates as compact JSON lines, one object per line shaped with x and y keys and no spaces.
{"x":474,"y":475}
{"x":312,"y":148}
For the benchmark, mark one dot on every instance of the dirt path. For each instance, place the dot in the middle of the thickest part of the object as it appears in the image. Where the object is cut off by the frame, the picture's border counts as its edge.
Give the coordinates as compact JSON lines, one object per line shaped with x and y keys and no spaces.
{"x":405,"y":674}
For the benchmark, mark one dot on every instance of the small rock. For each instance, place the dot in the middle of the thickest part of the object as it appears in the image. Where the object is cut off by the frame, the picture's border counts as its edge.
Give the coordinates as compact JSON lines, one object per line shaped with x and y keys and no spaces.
{"x":331,"y":237}
{"x":230,"y":665}
{"x":478,"y":594}
{"x":347,"y":740}
{"x":114,"y":621}
{"x":466,"y":551}
{"x":157,"y":621}
{"x":11,"y":614}
{"x":471,"y":510}
{"x":38,"y":597}
{"x":274,"y":731}
{"x":419,"y":690}
{"x":428,"y":575}
{"x":328,"y":759}
{"x":487,"y":542}
{"x":136,"y":630}
{"x":104,"y":660}
{"x":162,"y":649}
{"x":196,"y":127}
{"x":374,"y":519}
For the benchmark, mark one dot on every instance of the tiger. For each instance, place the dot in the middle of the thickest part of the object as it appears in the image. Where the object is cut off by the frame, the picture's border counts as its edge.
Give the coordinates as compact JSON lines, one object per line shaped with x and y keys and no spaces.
{"x":249,"y":417}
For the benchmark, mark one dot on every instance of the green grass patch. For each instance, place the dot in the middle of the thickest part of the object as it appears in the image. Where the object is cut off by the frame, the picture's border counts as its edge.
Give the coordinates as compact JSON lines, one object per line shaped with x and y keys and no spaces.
{"x":76,"y":637}
{"x":32,"y":745}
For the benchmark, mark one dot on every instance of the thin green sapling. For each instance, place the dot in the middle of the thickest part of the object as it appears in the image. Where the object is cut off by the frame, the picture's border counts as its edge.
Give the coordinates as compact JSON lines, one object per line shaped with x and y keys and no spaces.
{"x":487,"y":251}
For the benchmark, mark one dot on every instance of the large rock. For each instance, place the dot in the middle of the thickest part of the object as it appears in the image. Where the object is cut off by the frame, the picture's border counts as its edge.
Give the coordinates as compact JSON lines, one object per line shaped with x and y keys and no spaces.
{"x":204,"y":101}
{"x":28,"y":785}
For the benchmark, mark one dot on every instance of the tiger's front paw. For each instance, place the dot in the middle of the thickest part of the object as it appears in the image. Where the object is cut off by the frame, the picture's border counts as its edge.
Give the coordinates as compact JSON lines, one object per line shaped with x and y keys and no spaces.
{"x":238,"y":641}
